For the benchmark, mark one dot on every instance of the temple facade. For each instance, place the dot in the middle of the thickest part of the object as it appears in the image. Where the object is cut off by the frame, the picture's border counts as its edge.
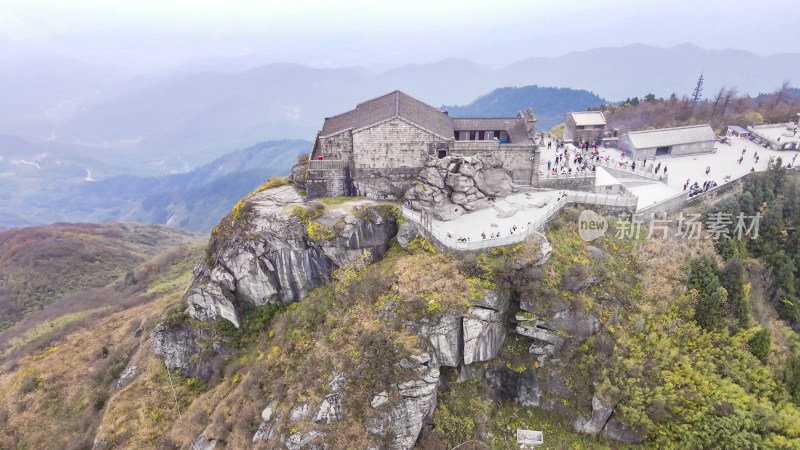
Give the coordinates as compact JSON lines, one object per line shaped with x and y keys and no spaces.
{"x":393,"y":136}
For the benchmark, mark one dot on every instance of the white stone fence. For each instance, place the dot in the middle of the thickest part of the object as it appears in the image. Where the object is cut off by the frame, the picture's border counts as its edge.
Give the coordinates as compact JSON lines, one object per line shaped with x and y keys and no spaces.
{"x":575,"y":174}
{"x":424,"y":221}
{"x":646,"y":172}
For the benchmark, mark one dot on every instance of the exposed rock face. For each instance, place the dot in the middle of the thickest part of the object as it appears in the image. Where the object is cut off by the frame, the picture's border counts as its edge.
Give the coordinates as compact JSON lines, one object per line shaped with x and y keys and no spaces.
{"x":182,"y":351}
{"x":271,"y":256}
{"x":449,"y":187}
{"x":484,"y":333}
{"x":204,"y":444}
{"x":600,"y":414}
{"x":406,"y":232}
{"x":618,"y":431}
{"x":267,"y":430}
{"x":445,"y":338}
{"x":330,"y":410}
{"x":414,"y":410}
{"x":520,"y":387}
{"x":298,"y":175}
{"x":127,"y":376}
{"x":381,"y":188}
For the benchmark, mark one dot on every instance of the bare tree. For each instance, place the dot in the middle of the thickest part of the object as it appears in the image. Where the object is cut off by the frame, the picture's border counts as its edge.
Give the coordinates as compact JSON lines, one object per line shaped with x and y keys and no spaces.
{"x":729,"y":96}
{"x":781,"y":93}
{"x":718,"y":99}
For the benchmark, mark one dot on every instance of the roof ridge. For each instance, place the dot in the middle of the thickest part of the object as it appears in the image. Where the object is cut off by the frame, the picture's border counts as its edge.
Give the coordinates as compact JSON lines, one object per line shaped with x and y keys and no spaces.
{"x":473,"y":118}
{"x":672,"y":128}
{"x":361,"y":103}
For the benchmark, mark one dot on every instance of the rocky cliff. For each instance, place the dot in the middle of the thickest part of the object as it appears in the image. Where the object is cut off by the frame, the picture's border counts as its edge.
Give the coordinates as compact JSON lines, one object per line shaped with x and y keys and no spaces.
{"x":430,"y":324}
{"x":276,"y":248}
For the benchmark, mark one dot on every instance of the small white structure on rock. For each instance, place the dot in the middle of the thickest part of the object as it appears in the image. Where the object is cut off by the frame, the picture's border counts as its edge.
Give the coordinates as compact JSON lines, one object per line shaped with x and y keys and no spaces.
{"x":529,"y":438}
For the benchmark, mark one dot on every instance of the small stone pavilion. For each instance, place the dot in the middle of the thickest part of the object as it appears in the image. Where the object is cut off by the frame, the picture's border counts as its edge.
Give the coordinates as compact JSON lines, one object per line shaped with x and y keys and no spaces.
{"x":393,"y":136}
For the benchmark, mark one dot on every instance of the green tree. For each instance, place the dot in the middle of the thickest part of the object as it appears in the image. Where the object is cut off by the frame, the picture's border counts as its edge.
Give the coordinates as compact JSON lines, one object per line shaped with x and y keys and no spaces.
{"x":732,"y":279}
{"x":791,"y":377}
{"x":760,"y":344}
{"x":754,"y":118}
{"x":703,"y":278}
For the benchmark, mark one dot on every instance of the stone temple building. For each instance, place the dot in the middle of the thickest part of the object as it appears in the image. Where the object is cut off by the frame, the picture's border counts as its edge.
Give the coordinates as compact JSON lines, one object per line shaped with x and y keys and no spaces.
{"x":584,"y":126}
{"x":678,"y":141}
{"x":394,"y":135}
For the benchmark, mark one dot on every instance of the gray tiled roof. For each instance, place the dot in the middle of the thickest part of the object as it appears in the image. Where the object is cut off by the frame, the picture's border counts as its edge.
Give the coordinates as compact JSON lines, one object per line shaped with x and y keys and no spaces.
{"x":367,"y":113}
{"x":671,"y":136}
{"x":389,"y":106}
{"x":399,"y":105}
{"x":587,"y":118}
{"x":518,"y":133}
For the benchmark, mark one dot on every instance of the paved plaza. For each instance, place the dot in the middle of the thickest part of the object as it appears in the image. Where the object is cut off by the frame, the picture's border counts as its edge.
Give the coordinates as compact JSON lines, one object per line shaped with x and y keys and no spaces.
{"x":523,"y":208}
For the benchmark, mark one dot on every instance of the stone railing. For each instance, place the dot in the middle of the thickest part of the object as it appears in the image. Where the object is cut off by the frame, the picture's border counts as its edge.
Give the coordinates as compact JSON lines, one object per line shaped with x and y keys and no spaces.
{"x":682,"y":199}
{"x":330,"y":164}
{"x":431,"y":231}
{"x":646,"y":172}
{"x":574,"y":174}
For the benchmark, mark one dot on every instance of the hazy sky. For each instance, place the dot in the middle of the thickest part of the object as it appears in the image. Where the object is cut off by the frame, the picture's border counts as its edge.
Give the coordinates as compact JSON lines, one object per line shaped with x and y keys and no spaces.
{"x":150,"y":34}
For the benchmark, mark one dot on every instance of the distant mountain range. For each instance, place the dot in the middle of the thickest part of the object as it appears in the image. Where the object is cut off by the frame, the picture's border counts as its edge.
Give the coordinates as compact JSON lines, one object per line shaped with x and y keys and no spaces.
{"x":161,"y":123}
{"x":549,"y":104}
{"x":65,"y":124}
{"x":194,"y":200}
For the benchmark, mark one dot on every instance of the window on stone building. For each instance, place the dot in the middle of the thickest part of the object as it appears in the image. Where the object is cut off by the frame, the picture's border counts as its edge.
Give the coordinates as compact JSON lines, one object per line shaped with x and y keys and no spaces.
{"x":471,"y":135}
{"x":481,"y":135}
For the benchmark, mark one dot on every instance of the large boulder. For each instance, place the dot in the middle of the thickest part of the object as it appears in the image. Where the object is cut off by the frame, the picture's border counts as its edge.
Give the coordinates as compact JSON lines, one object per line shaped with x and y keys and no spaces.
{"x":601,"y":411}
{"x":459,"y":182}
{"x":484,"y":333}
{"x":445,"y":339}
{"x":181,"y":349}
{"x":414,"y":410}
{"x":497,"y":182}
{"x":406,"y":232}
{"x":298,"y":175}
{"x":430,"y":175}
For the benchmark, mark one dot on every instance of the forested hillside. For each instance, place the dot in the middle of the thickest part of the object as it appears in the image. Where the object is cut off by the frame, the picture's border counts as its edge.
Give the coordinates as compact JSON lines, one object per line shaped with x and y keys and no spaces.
{"x":39,"y":265}
{"x":720,"y":109}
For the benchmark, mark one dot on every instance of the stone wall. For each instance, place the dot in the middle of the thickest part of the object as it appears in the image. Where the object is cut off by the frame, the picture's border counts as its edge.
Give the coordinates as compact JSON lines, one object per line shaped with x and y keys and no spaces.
{"x":675,"y":150}
{"x":393,"y":149}
{"x":520,"y":160}
{"x":582,"y":183}
{"x":338,"y":146}
{"x":575,"y":134}
{"x":328,"y":179}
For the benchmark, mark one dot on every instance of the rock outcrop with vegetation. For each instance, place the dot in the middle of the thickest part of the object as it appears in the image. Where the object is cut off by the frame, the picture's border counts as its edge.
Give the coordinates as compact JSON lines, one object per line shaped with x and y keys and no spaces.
{"x":451,"y":186}
{"x":274,"y":247}
{"x":650,"y":342}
